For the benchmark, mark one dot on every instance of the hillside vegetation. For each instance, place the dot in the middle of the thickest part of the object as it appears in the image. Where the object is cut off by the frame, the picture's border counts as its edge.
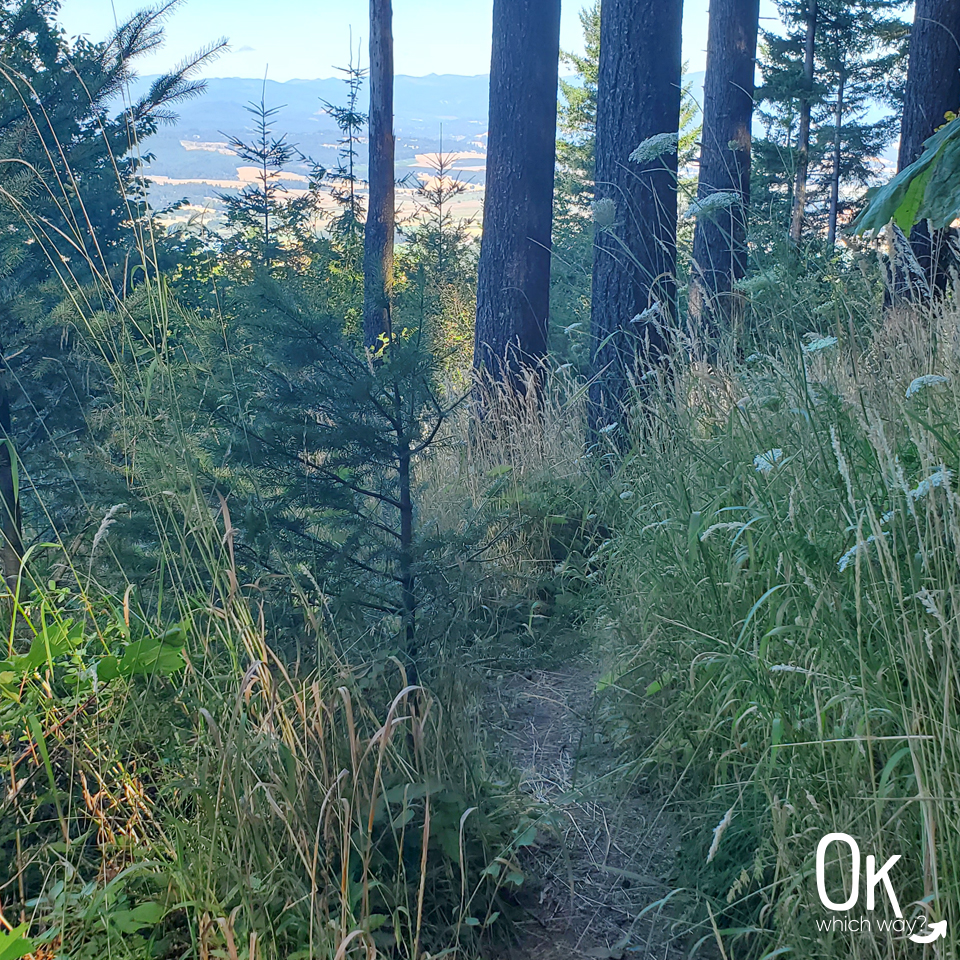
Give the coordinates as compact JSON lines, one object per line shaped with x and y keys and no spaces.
{"x":319,"y":645}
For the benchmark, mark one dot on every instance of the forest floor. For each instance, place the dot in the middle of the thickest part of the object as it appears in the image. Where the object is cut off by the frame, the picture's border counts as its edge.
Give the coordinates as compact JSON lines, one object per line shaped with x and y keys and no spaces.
{"x":611,"y":851}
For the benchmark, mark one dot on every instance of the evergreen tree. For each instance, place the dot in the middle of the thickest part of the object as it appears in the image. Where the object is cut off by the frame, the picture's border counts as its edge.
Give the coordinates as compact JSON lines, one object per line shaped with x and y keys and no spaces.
{"x":262,"y":219}
{"x":573,"y":230}
{"x":381,"y":219}
{"x":315,"y":443}
{"x":720,"y":242}
{"x":439,"y":260}
{"x":634,"y":267}
{"x":344,"y":179}
{"x":932,"y":91}
{"x":73,"y":220}
{"x":513,"y":283}
{"x":857,"y":65}
{"x":862,"y":55}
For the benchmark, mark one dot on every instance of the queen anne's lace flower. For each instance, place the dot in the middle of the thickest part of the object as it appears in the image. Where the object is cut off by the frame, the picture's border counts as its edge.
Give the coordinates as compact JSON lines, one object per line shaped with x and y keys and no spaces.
{"x":766,"y":463}
{"x":851,"y":554}
{"x":939,"y":478}
{"x":820,"y":343}
{"x":655,"y":146}
{"x":604,"y":213}
{"x":930,"y":380}
{"x":710,"y":204}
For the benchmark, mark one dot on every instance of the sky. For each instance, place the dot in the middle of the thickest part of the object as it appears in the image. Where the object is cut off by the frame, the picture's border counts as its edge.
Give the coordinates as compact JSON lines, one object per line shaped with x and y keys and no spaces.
{"x":308,"y":39}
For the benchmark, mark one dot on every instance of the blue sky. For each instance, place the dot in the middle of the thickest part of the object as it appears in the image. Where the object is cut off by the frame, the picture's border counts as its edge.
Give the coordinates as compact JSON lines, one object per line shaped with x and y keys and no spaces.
{"x":306,"y":39}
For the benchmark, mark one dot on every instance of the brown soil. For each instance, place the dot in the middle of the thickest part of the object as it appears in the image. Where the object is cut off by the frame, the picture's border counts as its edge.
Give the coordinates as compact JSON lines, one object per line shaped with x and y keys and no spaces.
{"x":609,"y":857}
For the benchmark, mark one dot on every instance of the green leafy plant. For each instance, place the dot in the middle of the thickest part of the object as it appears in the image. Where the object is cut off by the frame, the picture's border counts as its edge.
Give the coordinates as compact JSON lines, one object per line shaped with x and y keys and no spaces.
{"x":928,"y":189}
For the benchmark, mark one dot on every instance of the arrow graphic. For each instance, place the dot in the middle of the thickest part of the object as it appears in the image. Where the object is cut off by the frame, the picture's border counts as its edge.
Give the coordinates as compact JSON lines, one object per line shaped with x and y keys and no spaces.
{"x":937,"y":930}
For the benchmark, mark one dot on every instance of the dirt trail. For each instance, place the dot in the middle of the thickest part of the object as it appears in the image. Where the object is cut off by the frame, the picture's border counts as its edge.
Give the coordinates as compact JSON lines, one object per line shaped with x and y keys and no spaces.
{"x":611,"y":853}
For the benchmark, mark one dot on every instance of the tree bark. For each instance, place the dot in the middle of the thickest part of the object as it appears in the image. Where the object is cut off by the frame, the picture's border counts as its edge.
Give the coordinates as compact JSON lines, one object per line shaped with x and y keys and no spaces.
{"x":379,"y":231}
{"x":837,"y":158}
{"x":408,"y":580}
{"x":635,"y":247}
{"x":11,"y":523}
{"x":803,"y":134}
{"x":513,"y":284}
{"x":720,"y":239}
{"x":932,"y":89}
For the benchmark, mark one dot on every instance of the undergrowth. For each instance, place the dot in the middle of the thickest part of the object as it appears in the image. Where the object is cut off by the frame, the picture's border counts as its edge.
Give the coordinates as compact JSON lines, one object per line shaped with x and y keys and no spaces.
{"x":780,"y":609}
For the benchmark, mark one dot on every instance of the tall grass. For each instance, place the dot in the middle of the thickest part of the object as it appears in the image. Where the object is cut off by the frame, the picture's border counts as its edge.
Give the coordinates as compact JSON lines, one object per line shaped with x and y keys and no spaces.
{"x":236,"y":802}
{"x":781,"y":606}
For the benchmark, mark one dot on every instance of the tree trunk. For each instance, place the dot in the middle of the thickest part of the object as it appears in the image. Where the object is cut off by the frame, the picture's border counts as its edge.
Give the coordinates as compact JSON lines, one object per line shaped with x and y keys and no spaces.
{"x":803,"y":134}
{"x":635,"y":249}
{"x":408,"y":582}
{"x":513,"y":285}
{"x":380,"y":226}
{"x":720,"y":239}
{"x":11,"y":524}
{"x":837,"y":157}
{"x":932,"y":89}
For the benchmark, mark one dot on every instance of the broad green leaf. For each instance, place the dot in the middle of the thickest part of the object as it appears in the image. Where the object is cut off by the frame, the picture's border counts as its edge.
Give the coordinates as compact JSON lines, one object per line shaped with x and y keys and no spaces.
{"x":525,"y":837}
{"x":108,"y":669}
{"x":942,"y":196}
{"x":14,"y":945}
{"x":151,"y":656}
{"x":929,"y":189}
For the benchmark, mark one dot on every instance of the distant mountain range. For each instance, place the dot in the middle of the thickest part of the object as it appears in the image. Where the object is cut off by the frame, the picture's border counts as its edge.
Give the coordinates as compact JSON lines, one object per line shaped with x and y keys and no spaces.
{"x":193,"y":161}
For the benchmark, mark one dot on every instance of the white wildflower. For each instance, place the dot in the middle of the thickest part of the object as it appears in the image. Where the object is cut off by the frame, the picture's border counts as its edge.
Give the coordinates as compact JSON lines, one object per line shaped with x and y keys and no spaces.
{"x":888,"y":516}
{"x":939,"y":478}
{"x":604,"y":213}
{"x":817,"y":344}
{"x":930,"y":380}
{"x":849,"y":556}
{"x":609,"y":428}
{"x":626,"y":495}
{"x":766,"y":463}
{"x":654,"y":147}
{"x":711,"y":204}
{"x":856,"y":549}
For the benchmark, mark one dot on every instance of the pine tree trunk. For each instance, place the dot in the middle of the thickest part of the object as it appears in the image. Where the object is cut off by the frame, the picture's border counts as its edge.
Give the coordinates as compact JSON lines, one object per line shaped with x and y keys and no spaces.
{"x":379,"y":231}
{"x":837,"y":157}
{"x":932,"y":89}
{"x":803,"y":134}
{"x":513,"y":285}
{"x":11,"y":524}
{"x":408,"y":582}
{"x":635,"y":248}
{"x":719,"y":244}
